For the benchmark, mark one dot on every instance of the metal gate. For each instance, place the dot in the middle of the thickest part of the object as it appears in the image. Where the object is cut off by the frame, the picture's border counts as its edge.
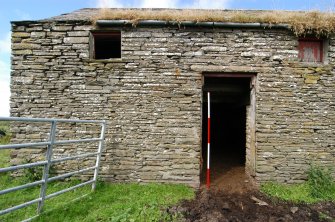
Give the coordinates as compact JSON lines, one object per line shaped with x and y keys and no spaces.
{"x":49,"y":161}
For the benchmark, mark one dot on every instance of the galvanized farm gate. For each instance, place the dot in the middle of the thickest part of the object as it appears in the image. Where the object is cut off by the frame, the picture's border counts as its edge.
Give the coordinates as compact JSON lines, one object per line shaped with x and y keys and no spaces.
{"x":50,"y":143}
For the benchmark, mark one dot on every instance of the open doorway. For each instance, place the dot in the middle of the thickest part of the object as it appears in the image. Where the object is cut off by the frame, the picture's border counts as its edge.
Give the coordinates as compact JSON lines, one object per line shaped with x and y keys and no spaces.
{"x":231,"y":96}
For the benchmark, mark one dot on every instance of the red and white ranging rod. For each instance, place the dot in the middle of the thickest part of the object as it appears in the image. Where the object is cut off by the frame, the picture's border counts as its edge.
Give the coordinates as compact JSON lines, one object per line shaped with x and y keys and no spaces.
{"x":208,"y":139}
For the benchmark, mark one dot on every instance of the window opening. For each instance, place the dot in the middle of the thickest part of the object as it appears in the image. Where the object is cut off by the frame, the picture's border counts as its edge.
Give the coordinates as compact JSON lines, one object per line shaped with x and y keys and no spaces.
{"x":106,"y":45}
{"x":311,"y":50}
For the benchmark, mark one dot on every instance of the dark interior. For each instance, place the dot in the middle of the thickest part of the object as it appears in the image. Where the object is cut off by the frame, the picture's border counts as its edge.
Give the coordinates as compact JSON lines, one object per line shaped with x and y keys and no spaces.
{"x":229,"y":98}
{"x":107,"y":45}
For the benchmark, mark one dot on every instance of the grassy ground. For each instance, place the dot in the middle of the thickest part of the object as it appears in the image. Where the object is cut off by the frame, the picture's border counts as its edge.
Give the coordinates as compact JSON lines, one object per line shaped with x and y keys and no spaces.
{"x":320,"y":186}
{"x":122,"y":202}
{"x":110,"y":202}
{"x":4,"y":126}
{"x":4,"y":154}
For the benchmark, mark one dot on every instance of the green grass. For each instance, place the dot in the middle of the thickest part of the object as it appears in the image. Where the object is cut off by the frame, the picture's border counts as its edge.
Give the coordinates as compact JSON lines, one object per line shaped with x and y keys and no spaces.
{"x":4,"y":154}
{"x":4,"y":126}
{"x":321,"y":183}
{"x":122,"y":202}
{"x":320,"y":186}
{"x":293,"y":192}
{"x":110,"y":202}
{"x":4,"y":158}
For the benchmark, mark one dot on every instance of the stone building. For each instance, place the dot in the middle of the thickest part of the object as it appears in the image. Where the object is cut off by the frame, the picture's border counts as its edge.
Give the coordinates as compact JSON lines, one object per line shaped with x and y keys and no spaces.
{"x":271,"y":91}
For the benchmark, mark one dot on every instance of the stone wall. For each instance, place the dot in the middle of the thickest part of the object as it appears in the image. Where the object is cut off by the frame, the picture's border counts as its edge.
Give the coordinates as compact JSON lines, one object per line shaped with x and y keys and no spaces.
{"x":152,"y":97}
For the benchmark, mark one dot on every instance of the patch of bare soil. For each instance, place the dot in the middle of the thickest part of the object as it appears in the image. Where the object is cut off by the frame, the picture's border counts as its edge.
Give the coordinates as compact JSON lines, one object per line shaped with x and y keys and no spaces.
{"x":234,"y":197}
{"x":217,"y":205}
{"x":228,"y":174}
{"x":232,"y":180}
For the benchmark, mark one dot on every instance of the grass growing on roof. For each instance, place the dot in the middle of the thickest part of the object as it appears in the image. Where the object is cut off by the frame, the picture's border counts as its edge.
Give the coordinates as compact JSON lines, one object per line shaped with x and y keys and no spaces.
{"x":302,"y":23}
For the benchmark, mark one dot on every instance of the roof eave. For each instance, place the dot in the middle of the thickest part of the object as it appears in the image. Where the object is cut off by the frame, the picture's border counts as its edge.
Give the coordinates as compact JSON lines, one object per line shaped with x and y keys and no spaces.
{"x":120,"y":23}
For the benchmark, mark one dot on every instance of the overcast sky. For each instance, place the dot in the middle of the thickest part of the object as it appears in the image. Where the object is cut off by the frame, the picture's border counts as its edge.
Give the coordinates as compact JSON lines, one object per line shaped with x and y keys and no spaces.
{"x":14,"y":10}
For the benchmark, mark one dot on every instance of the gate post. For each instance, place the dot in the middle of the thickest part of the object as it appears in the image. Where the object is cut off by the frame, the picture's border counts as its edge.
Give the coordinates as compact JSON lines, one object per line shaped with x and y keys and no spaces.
{"x":47,"y":166}
{"x":100,"y":148}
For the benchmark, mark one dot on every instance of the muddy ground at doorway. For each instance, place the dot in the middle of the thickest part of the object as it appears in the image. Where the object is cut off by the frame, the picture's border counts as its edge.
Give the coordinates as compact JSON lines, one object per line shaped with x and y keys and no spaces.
{"x":228,"y":174}
{"x":234,"y":180}
{"x":218,"y":205}
{"x":233,"y":197}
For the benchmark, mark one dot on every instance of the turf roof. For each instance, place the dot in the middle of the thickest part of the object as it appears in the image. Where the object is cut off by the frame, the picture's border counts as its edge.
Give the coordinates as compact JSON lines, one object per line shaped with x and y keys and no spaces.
{"x":301,"y":22}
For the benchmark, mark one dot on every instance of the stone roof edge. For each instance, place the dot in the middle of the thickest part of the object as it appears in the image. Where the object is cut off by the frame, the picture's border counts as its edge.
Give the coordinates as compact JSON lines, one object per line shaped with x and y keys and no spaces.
{"x":156,"y":23}
{"x":162,"y":23}
{"x":44,"y":21}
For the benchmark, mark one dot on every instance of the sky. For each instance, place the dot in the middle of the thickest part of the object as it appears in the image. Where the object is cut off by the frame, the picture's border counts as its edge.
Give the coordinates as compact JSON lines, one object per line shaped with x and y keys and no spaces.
{"x":16,"y":10}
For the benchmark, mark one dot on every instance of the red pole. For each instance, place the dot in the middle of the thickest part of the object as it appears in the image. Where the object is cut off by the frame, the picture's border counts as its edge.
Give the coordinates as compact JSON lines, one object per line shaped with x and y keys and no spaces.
{"x":208,"y":141}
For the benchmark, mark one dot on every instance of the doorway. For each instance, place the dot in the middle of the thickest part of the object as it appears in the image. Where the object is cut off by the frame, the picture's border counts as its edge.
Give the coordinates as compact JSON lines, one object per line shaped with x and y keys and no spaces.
{"x":231,"y":118}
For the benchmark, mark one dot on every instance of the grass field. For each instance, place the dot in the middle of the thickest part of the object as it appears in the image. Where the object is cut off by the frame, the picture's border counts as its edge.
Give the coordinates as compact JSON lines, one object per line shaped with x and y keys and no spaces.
{"x":110,"y":202}
{"x":320,"y":186}
{"x":4,"y":154}
{"x":4,"y":126}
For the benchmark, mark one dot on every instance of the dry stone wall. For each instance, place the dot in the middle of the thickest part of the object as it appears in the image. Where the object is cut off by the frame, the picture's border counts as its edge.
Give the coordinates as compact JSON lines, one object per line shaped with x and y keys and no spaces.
{"x":152,"y":97}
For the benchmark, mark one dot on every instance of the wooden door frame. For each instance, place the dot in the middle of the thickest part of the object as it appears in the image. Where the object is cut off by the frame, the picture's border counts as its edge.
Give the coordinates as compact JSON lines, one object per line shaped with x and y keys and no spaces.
{"x":251,"y":112}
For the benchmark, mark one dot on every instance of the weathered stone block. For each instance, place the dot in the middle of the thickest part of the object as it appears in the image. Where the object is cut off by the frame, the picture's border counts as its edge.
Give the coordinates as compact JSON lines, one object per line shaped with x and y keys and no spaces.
{"x":22,"y":52}
{"x":214,"y":48}
{"x":78,"y":33}
{"x":20,"y":35}
{"x":38,"y":34}
{"x":62,"y":28}
{"x":76,"y":40}
{"x":21,"y":46}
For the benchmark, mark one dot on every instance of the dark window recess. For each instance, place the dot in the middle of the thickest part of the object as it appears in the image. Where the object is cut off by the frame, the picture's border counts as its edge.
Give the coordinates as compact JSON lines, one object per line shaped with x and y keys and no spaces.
{"x":311,"y":50}
{"x":107,"y":45}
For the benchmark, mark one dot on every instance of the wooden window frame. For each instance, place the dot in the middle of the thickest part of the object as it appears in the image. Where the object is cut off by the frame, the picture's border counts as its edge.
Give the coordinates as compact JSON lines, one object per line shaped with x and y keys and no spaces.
{"x":316,"y":44}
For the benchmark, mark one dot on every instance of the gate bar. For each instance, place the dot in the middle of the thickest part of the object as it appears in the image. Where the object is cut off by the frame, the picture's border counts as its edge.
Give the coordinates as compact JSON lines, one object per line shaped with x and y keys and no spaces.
{"x":21,"y":187}
{"x":25,"y":145}
{"x":73,"y":157}
{"x":22,"y":166}
{"x":68,"y":189}
{"x":48,"y":120}
{"x":19,"y":206}
{"x":70,"y":174}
